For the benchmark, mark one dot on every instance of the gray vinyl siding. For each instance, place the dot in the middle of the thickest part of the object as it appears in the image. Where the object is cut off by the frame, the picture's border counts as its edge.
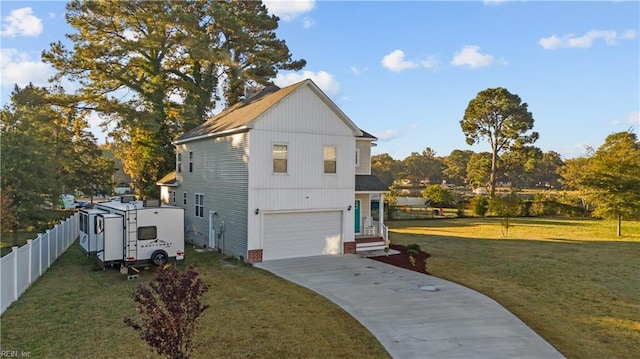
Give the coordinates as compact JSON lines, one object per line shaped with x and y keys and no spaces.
{"x":220,"y":172}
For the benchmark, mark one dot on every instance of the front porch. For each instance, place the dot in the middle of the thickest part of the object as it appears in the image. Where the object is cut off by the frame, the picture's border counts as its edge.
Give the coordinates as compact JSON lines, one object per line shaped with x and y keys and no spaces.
{"x":372,"y":237}
{"x":370,"y":232}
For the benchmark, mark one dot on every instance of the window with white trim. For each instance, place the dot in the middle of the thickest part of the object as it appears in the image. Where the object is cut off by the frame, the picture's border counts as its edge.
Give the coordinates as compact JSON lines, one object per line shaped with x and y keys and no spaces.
{"x":190,"y":161}
{"x":357,"y":157}
{"x":199,"y":205}
{"x":330,"y":154}
{"x":280,"y":155}
{"x":179,"y":162}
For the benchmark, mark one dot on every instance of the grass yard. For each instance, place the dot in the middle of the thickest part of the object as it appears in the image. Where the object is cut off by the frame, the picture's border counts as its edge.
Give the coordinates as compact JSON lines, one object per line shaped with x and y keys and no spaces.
{"x":572,"y":281}
{"x":77,"y":311}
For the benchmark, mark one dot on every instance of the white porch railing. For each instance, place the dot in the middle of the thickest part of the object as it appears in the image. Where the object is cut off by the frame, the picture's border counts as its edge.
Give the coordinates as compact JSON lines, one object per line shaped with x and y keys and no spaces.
{"x":24,"y":265}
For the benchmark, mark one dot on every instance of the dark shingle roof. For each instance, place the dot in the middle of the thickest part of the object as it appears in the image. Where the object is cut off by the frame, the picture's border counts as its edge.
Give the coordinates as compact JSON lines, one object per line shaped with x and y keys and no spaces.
{"x":370,"y":183}
{"x":366,"y":134}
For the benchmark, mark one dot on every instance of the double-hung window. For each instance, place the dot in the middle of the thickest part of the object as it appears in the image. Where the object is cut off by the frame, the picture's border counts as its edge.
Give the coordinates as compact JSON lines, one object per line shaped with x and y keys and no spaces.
{"x":190,"y":161}
{"x":199,"y":205}
{"x":280,"y":156}
{"x":330,"y":154}
{"x":179,"y":162}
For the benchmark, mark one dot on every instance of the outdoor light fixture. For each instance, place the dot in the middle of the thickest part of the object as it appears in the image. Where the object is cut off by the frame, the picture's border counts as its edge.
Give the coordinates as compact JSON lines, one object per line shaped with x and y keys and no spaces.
{"x":257,"y":210}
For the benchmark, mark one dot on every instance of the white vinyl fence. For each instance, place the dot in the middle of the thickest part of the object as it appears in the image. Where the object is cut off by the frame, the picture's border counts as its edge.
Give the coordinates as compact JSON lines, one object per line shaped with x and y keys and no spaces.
{"x":24,"y":265}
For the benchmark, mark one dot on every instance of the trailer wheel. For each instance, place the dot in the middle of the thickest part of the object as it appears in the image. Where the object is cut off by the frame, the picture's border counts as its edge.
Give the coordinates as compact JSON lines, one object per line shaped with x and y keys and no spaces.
{"x":159,"y":258}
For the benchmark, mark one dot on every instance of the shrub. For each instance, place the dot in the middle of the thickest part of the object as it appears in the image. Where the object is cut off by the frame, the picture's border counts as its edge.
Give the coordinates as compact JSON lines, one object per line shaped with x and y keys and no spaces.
{"x":480,"y":205}
{"x":413,"y":249}
{"x":169,"y":308}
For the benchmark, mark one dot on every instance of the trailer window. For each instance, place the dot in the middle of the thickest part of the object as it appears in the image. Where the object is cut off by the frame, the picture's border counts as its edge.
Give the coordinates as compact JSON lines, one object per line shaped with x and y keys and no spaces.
{"x":149,"y":232}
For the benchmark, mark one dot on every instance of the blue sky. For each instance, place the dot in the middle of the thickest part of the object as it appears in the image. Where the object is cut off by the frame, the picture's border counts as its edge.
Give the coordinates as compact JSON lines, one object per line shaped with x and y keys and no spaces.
{"x":405,"y":71}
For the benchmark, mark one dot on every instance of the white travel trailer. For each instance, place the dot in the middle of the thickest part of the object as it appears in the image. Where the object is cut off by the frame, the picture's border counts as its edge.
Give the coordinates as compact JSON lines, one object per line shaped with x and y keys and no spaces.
{"x":89,"y":230}
{"x":133,"y":233}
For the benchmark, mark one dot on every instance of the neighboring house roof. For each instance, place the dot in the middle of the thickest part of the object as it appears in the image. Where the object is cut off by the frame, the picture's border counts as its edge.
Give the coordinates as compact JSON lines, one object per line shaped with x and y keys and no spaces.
{"x":241,"y":116}
{"x":370,"y":183}
{"x":170,"y":180}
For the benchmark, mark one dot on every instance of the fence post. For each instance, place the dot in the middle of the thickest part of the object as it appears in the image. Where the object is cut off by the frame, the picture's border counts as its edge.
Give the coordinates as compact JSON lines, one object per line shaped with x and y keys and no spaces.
{"x":14,"y":251}
{"x":29,"y":241}
{"x":40,"y":253}
{"x":48,"y":248}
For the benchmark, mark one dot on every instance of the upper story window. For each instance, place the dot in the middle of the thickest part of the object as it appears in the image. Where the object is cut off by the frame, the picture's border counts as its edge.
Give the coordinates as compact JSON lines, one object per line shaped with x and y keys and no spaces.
{"x":357,"y":157}
{"x":330,"y":159}
{"x":179,"y":162}
{"x":190,"y":161}
{"x":280,"y":154}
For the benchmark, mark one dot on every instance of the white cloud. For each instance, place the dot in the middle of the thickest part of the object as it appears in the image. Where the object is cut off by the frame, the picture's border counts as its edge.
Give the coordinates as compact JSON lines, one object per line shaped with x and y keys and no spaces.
{"x":386,"y":135}
{"x":633,"y":119}
{"x":289,"y":10}
{"x":395,"y":61}
{"x":18,"y":68}
{"x":323,"y":79}
{"x":357,"y":71}
{"x":431,"y":62}
{"x":470,"y":56}
{"x":21,"y":22}
{"x":494,"y":2}
{"x":307,"y":22}
{"x":609,"y":37}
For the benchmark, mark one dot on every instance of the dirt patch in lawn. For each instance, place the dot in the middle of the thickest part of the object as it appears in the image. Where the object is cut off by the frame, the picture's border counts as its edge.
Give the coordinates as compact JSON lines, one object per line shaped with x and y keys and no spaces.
{"x":402,"y":259}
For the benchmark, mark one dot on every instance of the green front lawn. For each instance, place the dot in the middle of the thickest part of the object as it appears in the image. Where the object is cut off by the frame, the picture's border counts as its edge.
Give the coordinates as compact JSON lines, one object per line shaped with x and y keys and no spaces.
{"x":572,"y":281}
{"x":77,"y":311}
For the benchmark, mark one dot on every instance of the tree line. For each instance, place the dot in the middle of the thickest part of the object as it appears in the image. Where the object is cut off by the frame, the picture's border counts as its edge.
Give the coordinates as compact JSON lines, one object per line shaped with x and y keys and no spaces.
{"x":152,"y":70}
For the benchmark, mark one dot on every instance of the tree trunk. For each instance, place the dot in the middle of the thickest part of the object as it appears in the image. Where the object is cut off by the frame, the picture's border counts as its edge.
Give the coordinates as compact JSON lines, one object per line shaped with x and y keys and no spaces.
{"x":619,"y":224}
{"x":492,"y":177}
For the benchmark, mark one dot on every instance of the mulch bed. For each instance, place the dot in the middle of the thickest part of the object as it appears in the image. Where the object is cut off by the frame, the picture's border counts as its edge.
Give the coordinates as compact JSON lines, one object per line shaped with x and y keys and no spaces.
{"x":402,"y":259}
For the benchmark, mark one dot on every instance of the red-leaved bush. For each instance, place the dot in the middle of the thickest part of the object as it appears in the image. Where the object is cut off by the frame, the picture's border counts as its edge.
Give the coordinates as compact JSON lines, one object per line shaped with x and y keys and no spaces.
{"x":169,"y":308}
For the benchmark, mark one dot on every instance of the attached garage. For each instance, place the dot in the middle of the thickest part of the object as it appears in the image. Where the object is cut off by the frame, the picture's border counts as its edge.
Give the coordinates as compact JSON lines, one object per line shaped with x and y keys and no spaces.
{"x":301,"y":234}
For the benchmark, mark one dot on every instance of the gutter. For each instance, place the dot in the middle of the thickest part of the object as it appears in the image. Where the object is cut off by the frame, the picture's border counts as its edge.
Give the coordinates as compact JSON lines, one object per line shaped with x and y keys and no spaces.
{"x":213,"y":135}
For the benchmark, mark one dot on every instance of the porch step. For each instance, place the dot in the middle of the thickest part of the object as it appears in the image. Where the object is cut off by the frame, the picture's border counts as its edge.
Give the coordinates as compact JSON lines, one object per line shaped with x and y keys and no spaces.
{"x":370,"y":246}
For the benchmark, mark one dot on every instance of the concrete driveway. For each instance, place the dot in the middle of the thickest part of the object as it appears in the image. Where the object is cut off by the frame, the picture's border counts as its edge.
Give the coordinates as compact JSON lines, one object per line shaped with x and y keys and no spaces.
{"x":415,"y":315}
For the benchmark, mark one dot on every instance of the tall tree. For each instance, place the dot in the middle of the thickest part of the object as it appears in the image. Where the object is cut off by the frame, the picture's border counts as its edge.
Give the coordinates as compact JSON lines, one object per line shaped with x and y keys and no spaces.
{"x":613,"y":178}
{"x":519,"y":165}
{"x":385,"y":168}
{"x":501,"y":118}
{"x":479,"y":169}
{"x":36,"y":152}
{"x":153,"y":69}
{"x":456,"y":166}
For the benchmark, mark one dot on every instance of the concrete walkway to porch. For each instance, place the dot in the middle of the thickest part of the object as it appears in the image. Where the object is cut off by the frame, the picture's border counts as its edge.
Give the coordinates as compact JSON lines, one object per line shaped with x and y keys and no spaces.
{"x":415,"y":315}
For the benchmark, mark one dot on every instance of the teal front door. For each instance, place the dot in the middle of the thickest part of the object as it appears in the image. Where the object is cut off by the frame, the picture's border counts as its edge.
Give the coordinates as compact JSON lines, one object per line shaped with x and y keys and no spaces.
{"x":356,"y":212}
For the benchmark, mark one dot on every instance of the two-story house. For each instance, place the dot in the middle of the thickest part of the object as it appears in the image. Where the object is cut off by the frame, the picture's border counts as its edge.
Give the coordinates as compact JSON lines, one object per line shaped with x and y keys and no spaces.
{"x":284,"y":173}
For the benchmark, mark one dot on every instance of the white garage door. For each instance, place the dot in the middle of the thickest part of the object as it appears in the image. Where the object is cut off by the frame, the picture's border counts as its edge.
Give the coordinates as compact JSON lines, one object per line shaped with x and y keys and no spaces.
{"x":301,"y":234}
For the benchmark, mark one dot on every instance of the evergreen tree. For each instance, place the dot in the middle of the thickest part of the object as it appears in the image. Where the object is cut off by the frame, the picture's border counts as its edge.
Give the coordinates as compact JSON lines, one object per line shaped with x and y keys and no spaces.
{"x":153,"y":69}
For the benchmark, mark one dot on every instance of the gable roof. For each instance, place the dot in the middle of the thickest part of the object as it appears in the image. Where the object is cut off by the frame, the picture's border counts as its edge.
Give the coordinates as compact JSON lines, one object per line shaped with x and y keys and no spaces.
{"x":240,"y":117}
